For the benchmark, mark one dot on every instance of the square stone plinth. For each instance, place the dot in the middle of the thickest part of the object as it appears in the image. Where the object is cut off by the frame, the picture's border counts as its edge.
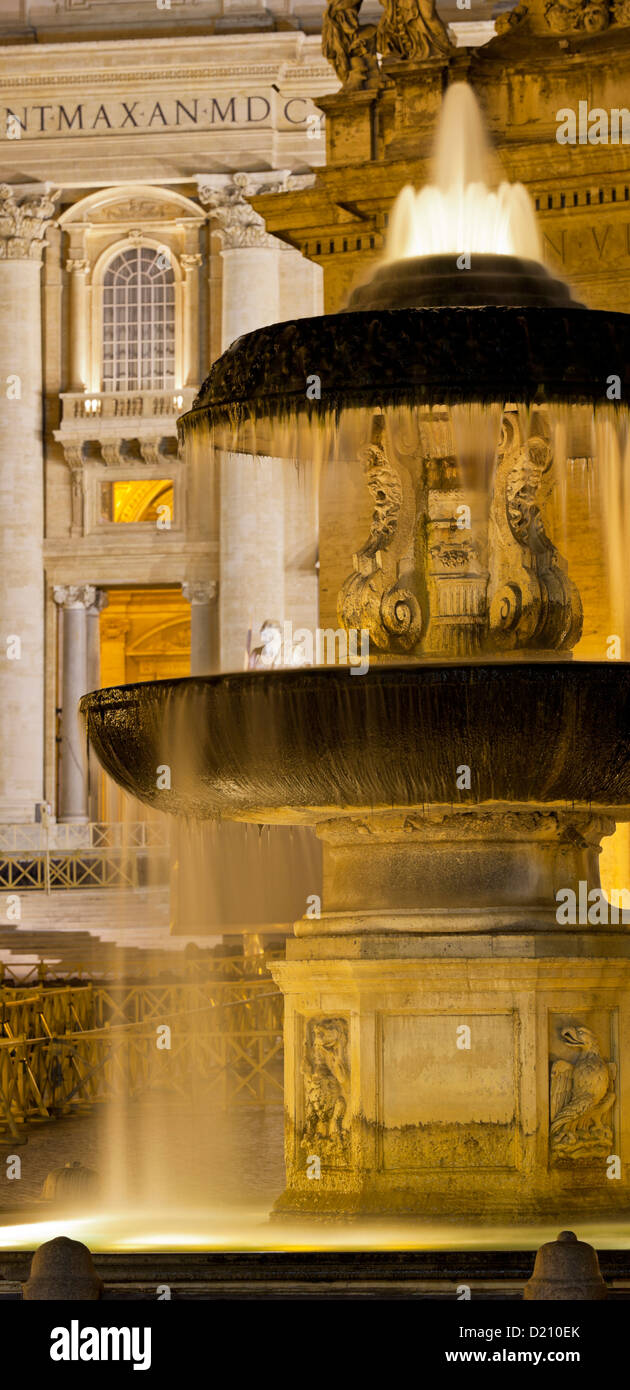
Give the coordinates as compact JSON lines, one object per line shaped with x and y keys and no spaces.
{"x":495,"y":1089}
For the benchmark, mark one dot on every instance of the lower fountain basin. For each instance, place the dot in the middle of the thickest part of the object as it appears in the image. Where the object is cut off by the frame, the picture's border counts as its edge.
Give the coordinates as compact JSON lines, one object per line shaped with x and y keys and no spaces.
{"x":301,"y":746}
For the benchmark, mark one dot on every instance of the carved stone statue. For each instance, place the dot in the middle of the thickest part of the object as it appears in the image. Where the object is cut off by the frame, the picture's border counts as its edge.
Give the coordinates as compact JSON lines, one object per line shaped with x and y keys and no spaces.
{"x":411,"y":29}
{"x":582,"y":1097}
{"x":326,"y":1076}
{"x":372,"y":598}
{"x":564,"y":16}
{"x":269,"y":653}
{"x":349,"y":45}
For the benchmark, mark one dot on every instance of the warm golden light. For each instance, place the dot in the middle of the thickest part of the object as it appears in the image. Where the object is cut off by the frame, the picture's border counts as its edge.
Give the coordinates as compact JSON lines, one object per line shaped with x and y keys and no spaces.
{"x":459,"y":213}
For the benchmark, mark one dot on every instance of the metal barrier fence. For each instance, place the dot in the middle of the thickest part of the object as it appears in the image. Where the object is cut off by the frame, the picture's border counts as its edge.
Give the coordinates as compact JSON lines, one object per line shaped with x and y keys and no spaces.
{"x":67,"y":1047}
{"x":78,"y":869}
{"x":19,"y":839}
{"x":96,"y":855}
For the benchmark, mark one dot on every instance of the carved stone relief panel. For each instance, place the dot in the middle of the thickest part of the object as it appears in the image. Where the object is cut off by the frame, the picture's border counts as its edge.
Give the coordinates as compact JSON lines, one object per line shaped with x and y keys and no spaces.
{"x":326,"y":1080}
{"x":582,"y":1087}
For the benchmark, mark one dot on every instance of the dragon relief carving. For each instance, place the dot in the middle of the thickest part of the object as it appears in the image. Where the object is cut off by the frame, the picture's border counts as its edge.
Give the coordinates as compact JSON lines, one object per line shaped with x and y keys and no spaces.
{"x":372,"y":598}
{"x":582,"y":1095}
{"x":326,"y":1075}
{"x":532,"y":601}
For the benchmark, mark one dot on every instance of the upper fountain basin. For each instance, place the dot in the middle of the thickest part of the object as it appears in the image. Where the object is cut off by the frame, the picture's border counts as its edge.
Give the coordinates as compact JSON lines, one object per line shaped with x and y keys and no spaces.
{"x":420,"y":282}
{"x":299,"y":746}
{"x":379,"y":357}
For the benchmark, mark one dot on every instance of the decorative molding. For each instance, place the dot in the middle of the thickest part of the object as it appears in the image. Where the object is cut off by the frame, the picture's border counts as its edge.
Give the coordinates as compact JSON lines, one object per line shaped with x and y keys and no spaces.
{"x":113,"y":453}
{"x":151,"y":451}
{"x":78,"y":265}
{"x":23,"y":225}
{"x":75,"y":459}
{"x":124,"y":76}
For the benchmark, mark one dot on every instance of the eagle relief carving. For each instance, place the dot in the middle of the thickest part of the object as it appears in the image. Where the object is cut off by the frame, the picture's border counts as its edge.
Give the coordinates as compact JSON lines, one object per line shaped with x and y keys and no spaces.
{"x":582,"y":1095}
{"x":326,"y":1074}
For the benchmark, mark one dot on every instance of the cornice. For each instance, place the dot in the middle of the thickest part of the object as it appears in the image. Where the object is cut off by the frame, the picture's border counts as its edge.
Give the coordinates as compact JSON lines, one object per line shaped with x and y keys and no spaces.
{"x":123,"y":77}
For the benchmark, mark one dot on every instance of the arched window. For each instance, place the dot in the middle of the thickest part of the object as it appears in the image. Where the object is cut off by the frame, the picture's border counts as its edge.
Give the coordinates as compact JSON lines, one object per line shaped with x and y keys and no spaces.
{"x":139,"y":321}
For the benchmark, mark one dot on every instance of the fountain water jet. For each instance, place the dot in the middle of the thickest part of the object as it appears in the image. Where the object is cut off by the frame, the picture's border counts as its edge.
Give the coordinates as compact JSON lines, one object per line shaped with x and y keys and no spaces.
{"x":459,"y":213}
{"x":452,"y":1044}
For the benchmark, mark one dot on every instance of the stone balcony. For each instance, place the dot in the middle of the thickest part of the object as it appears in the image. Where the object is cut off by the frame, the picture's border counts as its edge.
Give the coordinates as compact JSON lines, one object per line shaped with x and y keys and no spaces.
{"x":127,"y":426}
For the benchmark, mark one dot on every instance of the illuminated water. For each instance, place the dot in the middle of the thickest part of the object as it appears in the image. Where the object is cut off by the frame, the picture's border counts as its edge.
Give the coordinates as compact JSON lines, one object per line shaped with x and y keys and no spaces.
{"x":459,"y":212}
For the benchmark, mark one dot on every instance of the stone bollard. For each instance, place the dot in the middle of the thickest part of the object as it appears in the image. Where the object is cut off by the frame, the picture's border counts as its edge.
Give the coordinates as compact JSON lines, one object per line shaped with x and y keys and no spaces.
{"x":63,"y":1269}
{"x":71,"y":1186}
{"x":568,"y":1269}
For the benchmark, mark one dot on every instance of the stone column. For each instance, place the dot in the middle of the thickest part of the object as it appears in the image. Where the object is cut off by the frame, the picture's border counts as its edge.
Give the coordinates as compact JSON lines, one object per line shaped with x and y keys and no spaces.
{"x":75,"y":601}
{"x":22,"y":229}
{"x":190,"y":264}
{"x":251,"y":257}
{"x":93,"y":682}
{"x":79,"y":320}
{"x":252,"y":508}
{"x":204,"y":626}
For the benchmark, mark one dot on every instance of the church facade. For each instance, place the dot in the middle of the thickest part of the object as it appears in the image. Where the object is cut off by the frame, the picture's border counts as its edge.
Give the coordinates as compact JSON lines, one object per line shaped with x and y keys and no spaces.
{"x":130,"y":258}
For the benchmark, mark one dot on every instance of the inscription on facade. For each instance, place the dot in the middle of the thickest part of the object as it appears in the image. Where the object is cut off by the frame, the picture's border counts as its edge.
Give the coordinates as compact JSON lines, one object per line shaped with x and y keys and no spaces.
{"x":202,"y":112}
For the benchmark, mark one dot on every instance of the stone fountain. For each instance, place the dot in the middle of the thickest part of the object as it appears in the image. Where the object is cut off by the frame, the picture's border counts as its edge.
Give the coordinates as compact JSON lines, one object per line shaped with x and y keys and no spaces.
{"x":455,"y":1044}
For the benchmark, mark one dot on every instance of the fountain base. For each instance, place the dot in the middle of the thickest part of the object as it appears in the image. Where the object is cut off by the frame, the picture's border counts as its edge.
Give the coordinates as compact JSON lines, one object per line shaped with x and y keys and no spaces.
{"x":454,"y":1050}
{"x":431,"y":1086}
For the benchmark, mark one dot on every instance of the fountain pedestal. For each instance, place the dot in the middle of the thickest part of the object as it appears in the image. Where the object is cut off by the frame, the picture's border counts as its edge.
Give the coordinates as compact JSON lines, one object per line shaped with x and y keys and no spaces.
{"x":455,"y":1050}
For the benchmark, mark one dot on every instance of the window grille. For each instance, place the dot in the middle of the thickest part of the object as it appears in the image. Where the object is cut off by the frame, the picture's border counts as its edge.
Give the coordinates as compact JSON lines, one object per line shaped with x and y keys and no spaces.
{"x":139,"y":321}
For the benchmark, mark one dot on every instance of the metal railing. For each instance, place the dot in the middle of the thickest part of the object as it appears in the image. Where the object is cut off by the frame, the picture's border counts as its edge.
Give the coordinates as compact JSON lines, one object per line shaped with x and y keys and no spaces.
{"x":74,"y":870}
{"x":149,"y":834}
{"x":94,"y":855}
{"x":67,"y":1047}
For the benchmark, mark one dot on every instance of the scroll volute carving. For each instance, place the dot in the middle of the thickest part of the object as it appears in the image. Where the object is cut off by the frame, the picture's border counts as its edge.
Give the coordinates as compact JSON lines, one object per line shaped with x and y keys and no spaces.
{"x":373,"y":597}
{"x":532,"y":602}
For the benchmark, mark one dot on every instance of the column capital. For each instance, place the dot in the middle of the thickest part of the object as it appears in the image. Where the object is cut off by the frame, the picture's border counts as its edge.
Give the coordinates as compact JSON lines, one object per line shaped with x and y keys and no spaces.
{"x":75,"y":595}
{"x":101,"y":601}
{"x":200,"y":590}
{"x":190,"y":260}
{"x":23,"y":224}
{"x":226,"y":198}
{"x":78,"y":265}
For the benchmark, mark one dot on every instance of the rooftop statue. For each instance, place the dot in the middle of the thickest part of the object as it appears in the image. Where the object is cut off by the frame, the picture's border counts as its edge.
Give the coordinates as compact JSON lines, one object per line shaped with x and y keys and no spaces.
{"x":407,"y":29}
{"x":411,"y":29}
